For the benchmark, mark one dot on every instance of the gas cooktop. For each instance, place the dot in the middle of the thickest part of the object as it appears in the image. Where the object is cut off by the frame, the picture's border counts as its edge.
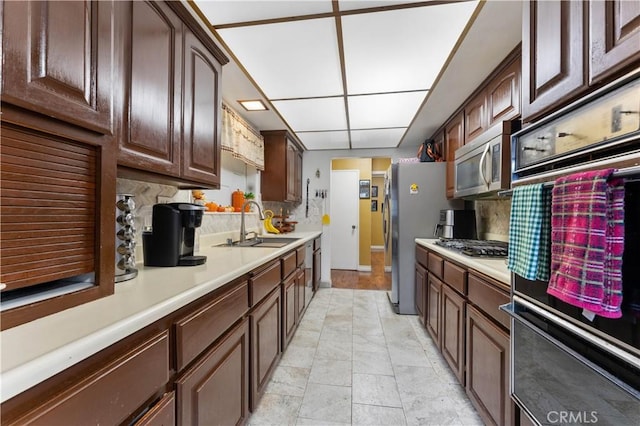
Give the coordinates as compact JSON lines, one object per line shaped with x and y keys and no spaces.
{"x":476,"y":248}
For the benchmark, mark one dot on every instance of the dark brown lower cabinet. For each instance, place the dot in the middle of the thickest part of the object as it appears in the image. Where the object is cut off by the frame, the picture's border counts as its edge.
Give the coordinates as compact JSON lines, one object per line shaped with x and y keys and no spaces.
{"x":289,"y":309}
{"x":163,"y":413}
{"x":488,"y":368}
{"x":107,"y":395}
{"x":266,"y":338}
{"x":452,"y":331}
{"x":421,"y":281}
{"x":317,"y":261}
{"x":215,"y":391}
{"x":301,"y":280}
{"x":432,"y":316}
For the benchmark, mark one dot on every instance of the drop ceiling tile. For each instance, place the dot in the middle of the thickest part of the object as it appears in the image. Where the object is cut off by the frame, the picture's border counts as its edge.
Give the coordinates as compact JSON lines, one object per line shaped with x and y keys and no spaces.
{"x":376,"y":138}
{"x":313,"y":114}
{"x":324,"y":140}
{"x":291,"y":59}
{"x":220,"y":12}
{"x":402,"y":49}
{"x":386,"y":110}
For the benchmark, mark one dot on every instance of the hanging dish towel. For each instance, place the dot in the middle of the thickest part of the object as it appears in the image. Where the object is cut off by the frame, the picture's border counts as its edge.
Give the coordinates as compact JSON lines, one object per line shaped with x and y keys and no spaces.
{"x":529,"y":232}
{"x":587,"y":241}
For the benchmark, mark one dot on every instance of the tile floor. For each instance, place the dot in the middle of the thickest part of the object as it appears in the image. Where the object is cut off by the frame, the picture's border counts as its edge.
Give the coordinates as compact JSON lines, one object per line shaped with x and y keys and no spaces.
{"x":354,"y":361}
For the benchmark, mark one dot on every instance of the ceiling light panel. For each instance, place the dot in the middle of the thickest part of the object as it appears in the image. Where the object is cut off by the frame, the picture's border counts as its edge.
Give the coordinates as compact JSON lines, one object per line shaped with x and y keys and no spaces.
{"x":377,"y":138}
{"x":291,"y":59}
{"x":388,"y":110}
{"x":401,"y":49}
{"x":362,"y":4}
{"x":313,"y":114}
{"x":324,"y":140}
{"x":220,"y":12}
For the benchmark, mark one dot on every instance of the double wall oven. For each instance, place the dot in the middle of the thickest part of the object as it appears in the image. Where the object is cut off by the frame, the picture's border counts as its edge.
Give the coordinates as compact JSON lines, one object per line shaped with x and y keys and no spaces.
{"x":569,"y":367}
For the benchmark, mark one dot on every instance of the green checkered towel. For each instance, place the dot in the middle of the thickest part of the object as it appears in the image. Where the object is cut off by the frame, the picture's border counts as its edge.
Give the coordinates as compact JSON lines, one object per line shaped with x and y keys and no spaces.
{"x":530,"y":232}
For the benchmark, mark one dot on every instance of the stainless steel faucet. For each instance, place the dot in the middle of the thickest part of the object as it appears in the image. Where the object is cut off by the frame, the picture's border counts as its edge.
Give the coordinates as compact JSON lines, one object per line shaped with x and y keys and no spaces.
{"x":243,"y":233}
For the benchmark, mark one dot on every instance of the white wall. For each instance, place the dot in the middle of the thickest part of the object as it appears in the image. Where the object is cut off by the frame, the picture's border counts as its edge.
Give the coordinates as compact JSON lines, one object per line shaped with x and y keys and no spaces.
{"x":314,"y":161}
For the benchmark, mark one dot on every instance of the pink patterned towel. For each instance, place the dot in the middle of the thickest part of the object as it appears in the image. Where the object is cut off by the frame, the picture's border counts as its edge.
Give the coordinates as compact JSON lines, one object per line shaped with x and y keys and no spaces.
{"x":587,"y":241}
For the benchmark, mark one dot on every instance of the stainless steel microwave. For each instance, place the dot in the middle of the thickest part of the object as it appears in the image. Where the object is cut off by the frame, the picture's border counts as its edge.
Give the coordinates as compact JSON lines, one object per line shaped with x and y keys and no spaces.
{"x":482,"y":167}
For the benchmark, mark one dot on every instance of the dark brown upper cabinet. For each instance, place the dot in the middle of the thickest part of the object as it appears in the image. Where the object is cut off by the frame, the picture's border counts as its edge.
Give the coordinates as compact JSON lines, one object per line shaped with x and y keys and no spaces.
{"x":553,"y":62}
{"x":454,"y":138}
{"x":202,"y":120}
{"x":475,"y":117}
{"x":172,"y":97}
{"x":280,"y":183}
{"x":58,"y":60}
{"x":150,"y":137}
{"x":614,"y":28}
{"x":503,"y":94}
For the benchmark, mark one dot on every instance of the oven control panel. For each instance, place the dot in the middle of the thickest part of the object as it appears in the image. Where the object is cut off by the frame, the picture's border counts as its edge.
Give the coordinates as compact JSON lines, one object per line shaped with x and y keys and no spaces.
{"x":591,"y":126}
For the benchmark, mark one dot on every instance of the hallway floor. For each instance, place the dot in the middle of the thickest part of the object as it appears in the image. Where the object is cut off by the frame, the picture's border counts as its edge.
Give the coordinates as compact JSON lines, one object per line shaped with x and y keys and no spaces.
{"x":377,"y":279}
{"x":354,"y":361}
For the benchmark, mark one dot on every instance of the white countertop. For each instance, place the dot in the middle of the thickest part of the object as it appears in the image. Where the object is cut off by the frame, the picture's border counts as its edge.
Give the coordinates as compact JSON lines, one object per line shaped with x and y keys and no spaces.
{"x":37,"y":350}
{"x":494,"y":268}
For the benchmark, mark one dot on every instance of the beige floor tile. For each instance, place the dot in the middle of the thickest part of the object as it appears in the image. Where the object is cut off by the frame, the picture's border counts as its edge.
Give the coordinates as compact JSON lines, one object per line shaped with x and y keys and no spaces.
{"x":367,"y":415}
{"x":327,"y":402}
{"x":371,"y":389}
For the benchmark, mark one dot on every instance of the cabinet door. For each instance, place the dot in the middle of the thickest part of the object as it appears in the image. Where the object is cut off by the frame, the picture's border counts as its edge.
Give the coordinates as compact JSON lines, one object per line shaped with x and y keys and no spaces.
{"x":488,"y":368}
{"x":553,"y":63}
{"x":421,"y":281}
{"x":434,"y":288}
{"x":291,"y":171}
{"x":317,"y":262}
{"x":298,"y":184}
{"x":503,"y":94}
{"x":454,"y":136}
{"x":266,"y":338}
{"x":58,"y":60}
{"x":202,"y":103}
{"x":301,"y":281}
{"x":475,"y":117}
{"x":289,"y":309}
{"x":453,"y":307}
{"x":614,"y":27}
{"x":215,"y":391}
{"x":150,"y":134}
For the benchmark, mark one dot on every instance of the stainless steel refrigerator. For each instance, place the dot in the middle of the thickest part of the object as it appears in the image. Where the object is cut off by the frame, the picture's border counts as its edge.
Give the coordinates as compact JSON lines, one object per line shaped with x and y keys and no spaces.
{"x":414,"y":196}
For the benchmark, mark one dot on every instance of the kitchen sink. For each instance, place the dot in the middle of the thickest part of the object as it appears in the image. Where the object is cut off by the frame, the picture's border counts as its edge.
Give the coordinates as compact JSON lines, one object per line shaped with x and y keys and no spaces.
{"x":269,"y":242}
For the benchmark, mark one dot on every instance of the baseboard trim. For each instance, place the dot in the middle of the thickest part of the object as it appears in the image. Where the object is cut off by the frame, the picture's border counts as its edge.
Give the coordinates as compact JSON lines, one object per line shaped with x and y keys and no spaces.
{"x":377,"y":248}
{"x":387,"y":268}
{"x":364,"y":268}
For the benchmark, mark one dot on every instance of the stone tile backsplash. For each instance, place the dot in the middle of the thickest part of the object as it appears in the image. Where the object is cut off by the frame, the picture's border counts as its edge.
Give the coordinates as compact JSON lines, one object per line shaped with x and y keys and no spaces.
{"x":493,"y":218}
{"x":146,"y":195}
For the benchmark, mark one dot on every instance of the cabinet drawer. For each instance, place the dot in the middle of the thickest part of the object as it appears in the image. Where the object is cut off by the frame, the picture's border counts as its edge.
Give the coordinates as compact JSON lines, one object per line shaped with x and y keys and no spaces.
{"x":435,"y":265}
{"x":263,"y":282}
{"x":163,"y":413}
{"x":288,"y":264}
{"x":456,"y":277}
{"x":422,"y":255}
{"x":114,"y":392}
{"x":196,"y":331}
{"x":488,"y":298}
{"x":301,"y":254}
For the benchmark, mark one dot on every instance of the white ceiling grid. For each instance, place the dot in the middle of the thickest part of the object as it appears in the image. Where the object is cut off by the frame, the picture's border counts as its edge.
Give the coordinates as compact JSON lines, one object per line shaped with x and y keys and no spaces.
{"x":391,"y":59}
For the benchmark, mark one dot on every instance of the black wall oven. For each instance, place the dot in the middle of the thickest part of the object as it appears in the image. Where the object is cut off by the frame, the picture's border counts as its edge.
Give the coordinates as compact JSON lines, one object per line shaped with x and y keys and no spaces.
{"x":569,"y":367}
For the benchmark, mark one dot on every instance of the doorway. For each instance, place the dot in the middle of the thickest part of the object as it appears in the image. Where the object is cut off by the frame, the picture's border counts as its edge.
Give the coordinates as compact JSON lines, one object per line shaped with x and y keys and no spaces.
{"x":345,"y":213}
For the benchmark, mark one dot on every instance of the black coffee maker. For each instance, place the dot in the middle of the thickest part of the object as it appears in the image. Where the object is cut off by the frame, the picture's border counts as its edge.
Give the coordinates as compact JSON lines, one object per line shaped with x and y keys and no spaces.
{"x":172,"y":238}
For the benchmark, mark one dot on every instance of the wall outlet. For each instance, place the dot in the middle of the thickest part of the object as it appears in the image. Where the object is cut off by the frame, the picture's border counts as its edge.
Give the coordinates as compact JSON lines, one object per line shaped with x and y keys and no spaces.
{"x":163,"y":200}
